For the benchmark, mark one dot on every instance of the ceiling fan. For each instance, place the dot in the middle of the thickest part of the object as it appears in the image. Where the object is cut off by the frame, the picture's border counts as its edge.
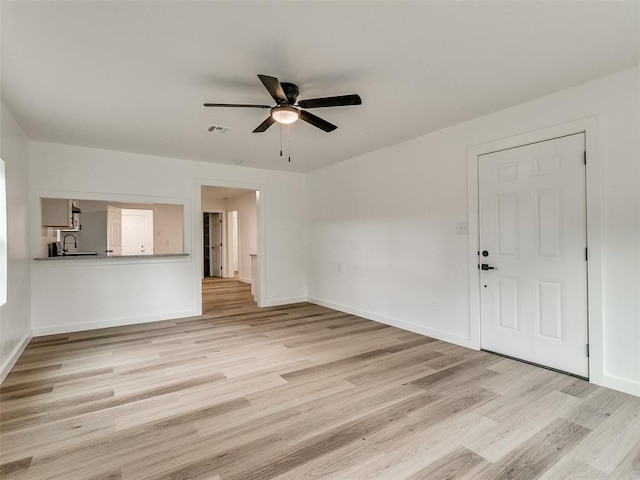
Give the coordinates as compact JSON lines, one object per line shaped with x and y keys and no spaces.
{"x":287,"y":110}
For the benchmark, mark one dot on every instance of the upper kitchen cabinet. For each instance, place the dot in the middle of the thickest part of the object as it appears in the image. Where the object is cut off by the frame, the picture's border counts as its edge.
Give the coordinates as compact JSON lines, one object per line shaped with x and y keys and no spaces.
{"x":60,"y":213}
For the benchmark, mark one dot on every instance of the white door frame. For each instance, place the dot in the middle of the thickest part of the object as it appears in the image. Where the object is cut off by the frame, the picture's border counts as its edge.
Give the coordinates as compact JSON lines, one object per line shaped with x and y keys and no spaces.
{"x":591,"y":129}
{"x":197,"y":216}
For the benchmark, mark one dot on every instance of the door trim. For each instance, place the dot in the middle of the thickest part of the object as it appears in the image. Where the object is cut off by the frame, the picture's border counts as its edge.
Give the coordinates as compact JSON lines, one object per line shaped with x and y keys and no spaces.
{"x":591,"y":128}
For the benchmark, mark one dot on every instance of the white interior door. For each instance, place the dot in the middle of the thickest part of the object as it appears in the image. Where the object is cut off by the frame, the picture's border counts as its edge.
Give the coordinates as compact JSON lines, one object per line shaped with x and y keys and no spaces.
{"x":533,"y":283}
{"x":216,"y":244}
{"x":114,"y":230}
{"x":137,"y":232}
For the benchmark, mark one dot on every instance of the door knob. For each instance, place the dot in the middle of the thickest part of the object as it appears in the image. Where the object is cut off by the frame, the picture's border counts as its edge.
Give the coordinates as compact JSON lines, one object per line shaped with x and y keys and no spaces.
{"x":484,"y":266}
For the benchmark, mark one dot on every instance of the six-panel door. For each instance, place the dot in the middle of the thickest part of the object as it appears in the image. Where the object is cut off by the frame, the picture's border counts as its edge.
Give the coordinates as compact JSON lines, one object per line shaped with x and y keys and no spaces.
{"x":532,"y":209}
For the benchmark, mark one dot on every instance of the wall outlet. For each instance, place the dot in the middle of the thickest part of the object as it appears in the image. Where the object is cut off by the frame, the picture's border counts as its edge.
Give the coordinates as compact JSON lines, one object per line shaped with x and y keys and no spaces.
{"x":462,"y":228}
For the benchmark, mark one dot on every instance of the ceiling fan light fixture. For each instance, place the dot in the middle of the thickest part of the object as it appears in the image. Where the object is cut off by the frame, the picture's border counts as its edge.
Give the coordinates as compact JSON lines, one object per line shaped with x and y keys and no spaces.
{"x":285,"y":114}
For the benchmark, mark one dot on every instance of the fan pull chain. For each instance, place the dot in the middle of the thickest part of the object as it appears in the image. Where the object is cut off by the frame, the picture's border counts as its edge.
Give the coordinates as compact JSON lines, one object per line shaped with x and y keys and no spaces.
{"x":289,"y":135}
{"x":280,"y":139}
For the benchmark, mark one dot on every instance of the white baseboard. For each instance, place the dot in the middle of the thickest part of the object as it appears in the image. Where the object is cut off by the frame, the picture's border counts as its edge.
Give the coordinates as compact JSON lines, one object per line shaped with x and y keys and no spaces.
{"x":395,"y":322}
{"x":245,"y":280}
{"x":620,"y":384}
{"x":117,"y":322}
{"x":15,"y":355}
{"x":283,"y":301}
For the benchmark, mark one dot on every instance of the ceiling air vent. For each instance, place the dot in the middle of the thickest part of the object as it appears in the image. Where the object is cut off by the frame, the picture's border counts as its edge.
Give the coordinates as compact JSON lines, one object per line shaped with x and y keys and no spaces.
{"x":218,"y":129}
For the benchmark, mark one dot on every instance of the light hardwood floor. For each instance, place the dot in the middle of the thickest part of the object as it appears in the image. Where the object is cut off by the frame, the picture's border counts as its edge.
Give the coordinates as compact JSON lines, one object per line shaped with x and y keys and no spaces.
{"x":297,"y":392}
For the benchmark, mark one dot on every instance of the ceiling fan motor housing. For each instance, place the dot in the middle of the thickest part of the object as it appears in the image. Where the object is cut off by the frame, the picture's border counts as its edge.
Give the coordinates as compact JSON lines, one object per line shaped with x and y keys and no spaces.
{"x":291,"y":91}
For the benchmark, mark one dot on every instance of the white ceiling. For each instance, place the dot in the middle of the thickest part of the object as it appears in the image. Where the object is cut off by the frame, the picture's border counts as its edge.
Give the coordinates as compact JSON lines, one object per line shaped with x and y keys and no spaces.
{"x":133,"y":76}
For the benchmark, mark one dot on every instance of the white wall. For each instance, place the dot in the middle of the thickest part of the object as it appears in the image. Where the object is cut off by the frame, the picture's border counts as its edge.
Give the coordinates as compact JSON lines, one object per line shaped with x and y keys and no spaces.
{"x":246,"y":207}
{"x":382,"y":227}
{"x":81,"y":294}
{"x":14,"y":315}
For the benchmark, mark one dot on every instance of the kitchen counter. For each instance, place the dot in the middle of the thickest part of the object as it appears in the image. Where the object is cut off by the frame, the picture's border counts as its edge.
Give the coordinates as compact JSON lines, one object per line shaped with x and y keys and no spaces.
{"x":110,"y":257}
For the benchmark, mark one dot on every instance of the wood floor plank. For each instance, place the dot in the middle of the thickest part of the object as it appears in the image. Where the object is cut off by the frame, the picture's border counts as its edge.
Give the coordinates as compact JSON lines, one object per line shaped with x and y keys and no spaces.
{"x":109,"y":402}
{"x":612,"y":439}
{"x":408,"y":450}
{"x":440,"y":411}
{"x":294,"y":392}
{"x":533,"y":458}
{"x":319,"y":445}
{"x":454,"y":465}
{"x":335,"y":464}
{"x":142,"y":440}
{"x":60,"y":379}
{"x":516,"y":430}
{"x":568,"y":468}
{"x":629,"y":467}
{"x":19,"y":465}
{"x":596,"y":408}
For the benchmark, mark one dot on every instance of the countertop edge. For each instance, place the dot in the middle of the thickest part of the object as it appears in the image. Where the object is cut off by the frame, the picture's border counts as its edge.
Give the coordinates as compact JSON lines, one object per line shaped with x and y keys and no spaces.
{"x":111,"y":257}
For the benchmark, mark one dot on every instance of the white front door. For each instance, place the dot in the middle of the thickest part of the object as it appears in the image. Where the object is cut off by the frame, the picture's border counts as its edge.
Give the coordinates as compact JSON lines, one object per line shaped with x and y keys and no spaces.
{"x":533,"y":281}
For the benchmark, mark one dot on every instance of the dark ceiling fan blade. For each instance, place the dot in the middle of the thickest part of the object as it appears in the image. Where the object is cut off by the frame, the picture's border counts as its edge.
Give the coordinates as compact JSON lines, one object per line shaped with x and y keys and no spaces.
{"x":236,"y":105}
{"x":339,"y":101}
{"x":272,"y":84}
{"x":264,"y":125}
{"x":317,"y":121}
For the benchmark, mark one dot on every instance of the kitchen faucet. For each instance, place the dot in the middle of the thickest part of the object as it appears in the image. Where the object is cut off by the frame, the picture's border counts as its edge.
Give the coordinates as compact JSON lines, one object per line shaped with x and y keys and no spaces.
{"x":64,"y":242}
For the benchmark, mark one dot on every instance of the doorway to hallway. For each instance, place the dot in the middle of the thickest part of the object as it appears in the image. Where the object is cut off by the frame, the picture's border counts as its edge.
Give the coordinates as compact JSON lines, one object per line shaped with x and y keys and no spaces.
{"x":229,"y":239}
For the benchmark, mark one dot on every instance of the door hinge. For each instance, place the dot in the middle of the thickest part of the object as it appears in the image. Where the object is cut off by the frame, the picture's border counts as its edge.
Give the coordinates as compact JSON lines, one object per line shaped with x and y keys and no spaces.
{"x":586,"y":254}
{"x":585,"y":157}
{"x":587,"y":350}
